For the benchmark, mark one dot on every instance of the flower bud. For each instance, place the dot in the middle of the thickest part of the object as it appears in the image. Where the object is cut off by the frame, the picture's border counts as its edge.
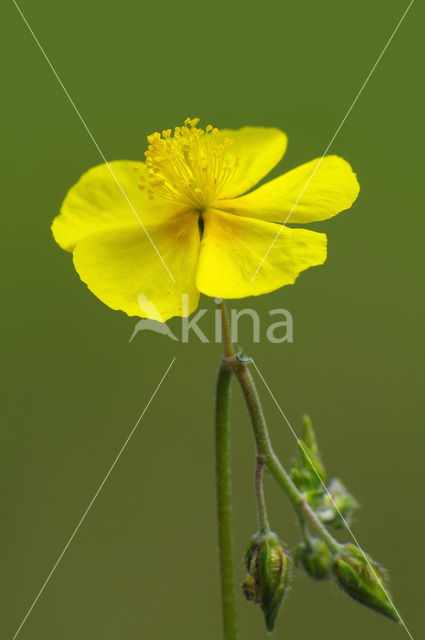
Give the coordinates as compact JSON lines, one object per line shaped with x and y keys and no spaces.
{"x":364,"y":580}
{"x":267,"y":565}
{"x":308,"y":471}
{"x":316,"y":559}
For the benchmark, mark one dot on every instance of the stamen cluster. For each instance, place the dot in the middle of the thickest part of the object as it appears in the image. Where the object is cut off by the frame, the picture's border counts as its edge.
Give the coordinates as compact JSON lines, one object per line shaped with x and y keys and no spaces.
{"x":191,"y":166}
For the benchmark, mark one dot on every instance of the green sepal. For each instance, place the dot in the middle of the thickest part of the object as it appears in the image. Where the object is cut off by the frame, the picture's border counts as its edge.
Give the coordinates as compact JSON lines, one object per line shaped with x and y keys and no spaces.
{"x":364,"y":580}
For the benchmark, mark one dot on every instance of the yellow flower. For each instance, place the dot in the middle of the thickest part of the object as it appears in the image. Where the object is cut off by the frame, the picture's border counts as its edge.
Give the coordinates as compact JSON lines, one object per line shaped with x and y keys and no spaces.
{"x":201,"y":231}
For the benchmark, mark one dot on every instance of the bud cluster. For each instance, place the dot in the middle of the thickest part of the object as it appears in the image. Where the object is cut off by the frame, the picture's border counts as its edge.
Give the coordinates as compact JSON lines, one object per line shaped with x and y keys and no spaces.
{"x":319,"y":555}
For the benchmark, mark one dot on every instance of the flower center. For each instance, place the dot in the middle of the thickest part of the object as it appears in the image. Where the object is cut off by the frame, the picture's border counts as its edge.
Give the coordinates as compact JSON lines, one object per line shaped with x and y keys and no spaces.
{"x":192,"y":166}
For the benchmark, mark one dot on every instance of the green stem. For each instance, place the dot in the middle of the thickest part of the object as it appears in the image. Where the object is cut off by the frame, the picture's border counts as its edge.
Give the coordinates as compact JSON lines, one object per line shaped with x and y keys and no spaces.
{"x":263,"y":521}
{"x":224,"y":501}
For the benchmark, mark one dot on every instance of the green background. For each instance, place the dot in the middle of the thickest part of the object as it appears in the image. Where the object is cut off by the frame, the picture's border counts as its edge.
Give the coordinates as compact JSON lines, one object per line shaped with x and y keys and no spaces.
{"x":143,"y":564}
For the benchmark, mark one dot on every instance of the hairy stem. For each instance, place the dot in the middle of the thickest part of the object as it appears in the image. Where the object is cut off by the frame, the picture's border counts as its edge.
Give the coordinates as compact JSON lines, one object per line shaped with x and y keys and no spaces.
{"x":263,"y":521}
{"x":224,"y":501}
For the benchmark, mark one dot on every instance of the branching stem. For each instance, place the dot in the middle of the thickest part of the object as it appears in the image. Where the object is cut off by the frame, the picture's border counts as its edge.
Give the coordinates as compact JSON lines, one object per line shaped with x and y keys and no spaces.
{"x":233,"y":365}
{"x":264,"y":446}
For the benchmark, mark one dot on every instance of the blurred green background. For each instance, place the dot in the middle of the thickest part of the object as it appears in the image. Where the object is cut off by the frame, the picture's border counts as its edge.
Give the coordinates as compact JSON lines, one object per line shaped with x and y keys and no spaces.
{"x":144,"y":563}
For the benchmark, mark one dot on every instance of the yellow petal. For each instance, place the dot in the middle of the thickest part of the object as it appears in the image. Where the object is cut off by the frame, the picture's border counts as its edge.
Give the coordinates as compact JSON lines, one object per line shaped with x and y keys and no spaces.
{"x":259,"y":149}
{"x":332,"y":188}
{"x":233,"y":247}
{"x":121,"y":267}
{"x":96,"y":202}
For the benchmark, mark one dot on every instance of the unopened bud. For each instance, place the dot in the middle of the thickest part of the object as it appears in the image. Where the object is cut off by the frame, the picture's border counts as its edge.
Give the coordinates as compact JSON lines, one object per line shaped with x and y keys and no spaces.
{"x":308,"y":471}
{"x":364,"y":580}
{"x":267,"y":564}
{"x":315,"y":558}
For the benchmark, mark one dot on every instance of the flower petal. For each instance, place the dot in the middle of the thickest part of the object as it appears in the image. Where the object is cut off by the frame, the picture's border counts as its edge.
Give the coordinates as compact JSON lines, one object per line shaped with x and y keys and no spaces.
{"x":121,"y":267}
{"x":96,"y":202}
{"x":233,"y":247}
{"x":259,"y":149}
{"x":332,"y":188}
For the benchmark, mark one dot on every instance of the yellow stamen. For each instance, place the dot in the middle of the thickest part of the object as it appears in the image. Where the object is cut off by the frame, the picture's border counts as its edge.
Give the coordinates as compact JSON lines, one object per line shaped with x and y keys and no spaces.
{"x":192,"y":166}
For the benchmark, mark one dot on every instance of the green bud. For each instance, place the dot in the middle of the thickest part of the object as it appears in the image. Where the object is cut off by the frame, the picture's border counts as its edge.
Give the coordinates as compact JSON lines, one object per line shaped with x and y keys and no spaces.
{"x":364,"y":580}
{"x":315,"y":558}
{"x":308,"y":471}
{"x":309,"y":436}
{"x":267,"y":564}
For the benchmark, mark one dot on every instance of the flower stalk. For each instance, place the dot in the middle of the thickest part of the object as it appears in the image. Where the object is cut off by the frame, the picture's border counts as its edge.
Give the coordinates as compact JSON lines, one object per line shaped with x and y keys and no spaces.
{"x":224,"y":501}
{"x":263,"y":521}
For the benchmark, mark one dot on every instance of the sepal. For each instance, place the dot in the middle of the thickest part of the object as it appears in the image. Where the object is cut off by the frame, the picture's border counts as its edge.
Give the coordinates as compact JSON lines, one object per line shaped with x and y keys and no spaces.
{"x":364,"y":580}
